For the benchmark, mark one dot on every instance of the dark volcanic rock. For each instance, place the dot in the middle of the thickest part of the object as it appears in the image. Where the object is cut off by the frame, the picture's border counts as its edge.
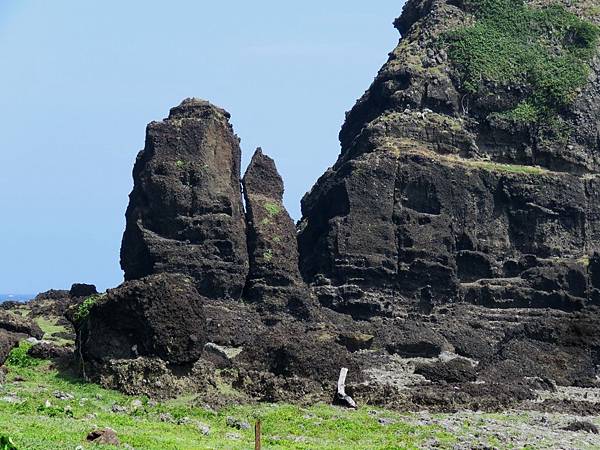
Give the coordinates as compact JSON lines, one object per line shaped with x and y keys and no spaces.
{"x":17,"y":324}
{"x":421,"y":202}
{"x":160,"y":315}
{"x":563,"y":349}
{"x":185,"y":213}
{"x":153,"y":377}
{"x":51,"y":303}
{"x":44,"y":350}
{"x":453,"y":371}
{"x":587,"y":427}
{"x":82,"y":290}
{"x":105,"y":436}
{"x":440,"y":231}
{"x":274,"y":276}
{"x":293,"y":351}
{"x":52,"y":294}
{"x":413,"y":339}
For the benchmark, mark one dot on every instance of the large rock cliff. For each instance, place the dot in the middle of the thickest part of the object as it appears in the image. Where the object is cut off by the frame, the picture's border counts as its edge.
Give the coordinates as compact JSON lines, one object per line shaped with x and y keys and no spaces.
{"x":452,"y":248}
{"x":459,"y":180}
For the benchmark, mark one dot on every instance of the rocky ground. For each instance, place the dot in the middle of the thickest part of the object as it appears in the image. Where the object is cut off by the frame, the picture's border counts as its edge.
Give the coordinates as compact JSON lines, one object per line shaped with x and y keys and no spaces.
{"x":45,"y":405}
{"x":42,"y":406}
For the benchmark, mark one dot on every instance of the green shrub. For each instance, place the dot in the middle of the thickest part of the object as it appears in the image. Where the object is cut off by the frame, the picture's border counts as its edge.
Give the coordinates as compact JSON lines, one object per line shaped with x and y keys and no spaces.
{"x":18,"y":357}
{"x":6,"y":443}
{"x":546,"y":51}
{"x":83,"y":311}
{"x":54,"y":411}
{"x":524,"y":113}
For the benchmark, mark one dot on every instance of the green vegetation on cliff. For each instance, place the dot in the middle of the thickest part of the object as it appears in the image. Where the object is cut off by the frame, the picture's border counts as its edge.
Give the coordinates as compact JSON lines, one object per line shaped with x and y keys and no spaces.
{"x":542,"y":52}
{"x":83,"y":311}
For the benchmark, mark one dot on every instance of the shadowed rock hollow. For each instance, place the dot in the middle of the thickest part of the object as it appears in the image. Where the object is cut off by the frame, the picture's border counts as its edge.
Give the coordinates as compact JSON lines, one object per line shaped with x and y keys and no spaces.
{"x":448,"y":258}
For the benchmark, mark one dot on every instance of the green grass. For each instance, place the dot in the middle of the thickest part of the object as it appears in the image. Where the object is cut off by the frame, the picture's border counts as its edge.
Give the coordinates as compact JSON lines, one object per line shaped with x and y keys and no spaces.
{"x":593,"y":10}
{"x":64,"y":424}
{"x":546,"y":51}
{"x":507,"y":168}
{"x":6,"y":443}
{"x":50,"y":327}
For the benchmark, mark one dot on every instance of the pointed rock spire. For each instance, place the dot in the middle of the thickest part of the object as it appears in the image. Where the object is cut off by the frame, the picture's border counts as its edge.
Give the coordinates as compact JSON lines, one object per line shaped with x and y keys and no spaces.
{"x":272,"y":243}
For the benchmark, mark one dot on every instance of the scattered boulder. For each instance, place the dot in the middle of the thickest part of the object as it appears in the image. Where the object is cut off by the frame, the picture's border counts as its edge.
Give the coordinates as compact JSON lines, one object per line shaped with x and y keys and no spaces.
{"x":160,"y":315}
{"x":82,"y":290}
{"x":21,"y":325}
{"x":584,"y":426}
{"x":104,"y":436}
{"x":236,"y":423}
{"x":203,"y":428}
{"x":47,"y":350}
{"x":8,"y":341}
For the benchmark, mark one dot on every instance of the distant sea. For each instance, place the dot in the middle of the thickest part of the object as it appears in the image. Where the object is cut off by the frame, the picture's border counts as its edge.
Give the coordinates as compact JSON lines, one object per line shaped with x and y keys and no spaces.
{"x":15,"y":297}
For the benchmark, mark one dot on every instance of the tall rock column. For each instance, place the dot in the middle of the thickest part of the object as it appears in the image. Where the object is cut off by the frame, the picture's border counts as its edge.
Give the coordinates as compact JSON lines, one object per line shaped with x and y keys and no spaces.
{"x":274,"y":276}
{"x":185,"y":213}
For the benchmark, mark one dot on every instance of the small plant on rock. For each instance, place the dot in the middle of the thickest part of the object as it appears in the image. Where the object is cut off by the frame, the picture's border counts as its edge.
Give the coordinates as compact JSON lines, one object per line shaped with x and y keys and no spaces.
{"x":83,"y":311}
{"x":272,"y":208}
{"x":268,"y":255}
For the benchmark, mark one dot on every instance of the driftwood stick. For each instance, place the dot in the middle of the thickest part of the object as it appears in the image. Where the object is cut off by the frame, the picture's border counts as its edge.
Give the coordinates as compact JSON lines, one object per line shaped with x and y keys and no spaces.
{"x":341,"y":389}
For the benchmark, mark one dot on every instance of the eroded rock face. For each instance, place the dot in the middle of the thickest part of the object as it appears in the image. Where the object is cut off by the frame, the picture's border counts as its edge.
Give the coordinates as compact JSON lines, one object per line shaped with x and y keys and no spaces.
{"x":160,"y":315}
{"x":274,"y":276}
{"x":185,"y":213}
{"x":429,"y":203}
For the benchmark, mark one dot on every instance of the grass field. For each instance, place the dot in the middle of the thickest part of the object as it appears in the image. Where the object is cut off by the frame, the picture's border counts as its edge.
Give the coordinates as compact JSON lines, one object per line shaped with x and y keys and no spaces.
{"x":42,"y":408}
{"x":34,"y":418}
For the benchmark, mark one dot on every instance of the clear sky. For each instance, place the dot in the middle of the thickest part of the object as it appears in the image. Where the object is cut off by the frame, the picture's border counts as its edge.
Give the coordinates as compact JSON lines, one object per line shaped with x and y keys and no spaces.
{"x":81,"y":79}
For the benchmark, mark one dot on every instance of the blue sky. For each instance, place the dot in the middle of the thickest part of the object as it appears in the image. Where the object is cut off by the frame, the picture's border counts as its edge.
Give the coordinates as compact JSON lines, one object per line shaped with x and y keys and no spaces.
{"x":81,"y":79}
